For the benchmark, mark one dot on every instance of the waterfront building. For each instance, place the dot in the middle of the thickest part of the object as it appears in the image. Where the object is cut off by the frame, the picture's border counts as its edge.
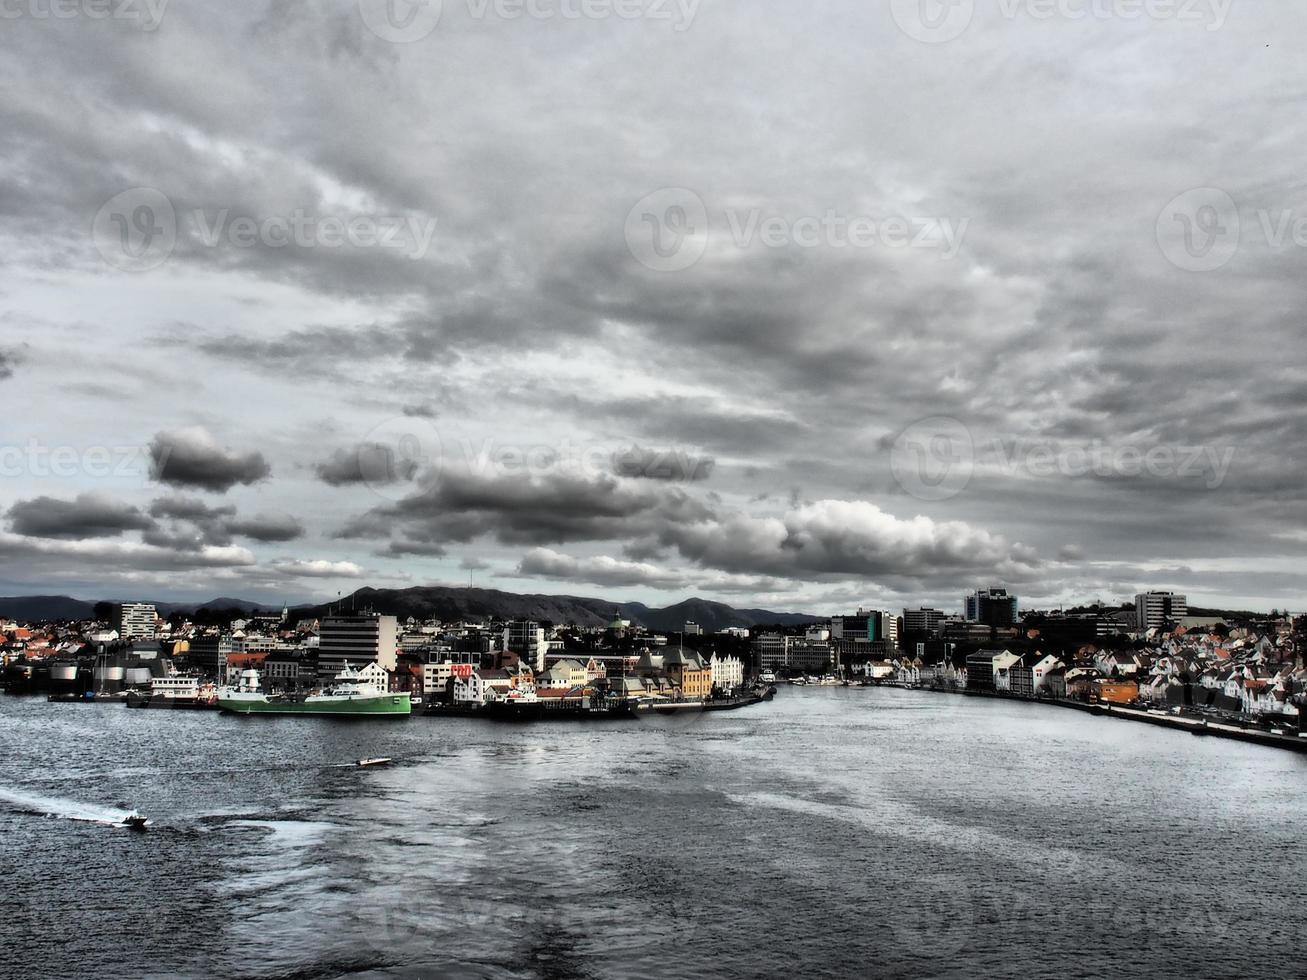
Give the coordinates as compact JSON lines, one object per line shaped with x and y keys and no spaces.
{"x":992,"y":607}
{"x":436,"y":675}
{"x":132,"y":619}
{"x":566,"y":673}
{"x":356,"y":639}
{"x":209,"y":652}
{"x":775,"y":651}
{"x":727,"y":672}
{"x":984,"y":668}
{"x":686,"y":670}
{"x":1156,"y":609}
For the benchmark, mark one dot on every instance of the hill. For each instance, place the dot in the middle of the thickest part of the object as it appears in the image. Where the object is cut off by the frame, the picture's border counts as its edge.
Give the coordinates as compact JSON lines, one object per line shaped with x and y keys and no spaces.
{"x":449,"y":603}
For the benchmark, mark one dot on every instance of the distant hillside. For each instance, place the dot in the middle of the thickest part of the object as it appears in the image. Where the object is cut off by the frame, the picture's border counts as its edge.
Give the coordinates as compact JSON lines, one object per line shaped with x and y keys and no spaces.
{"x":42,"y":608}
{"x":36,"y":608}
{"x":223,"y":602}
{"x":447,"y":603}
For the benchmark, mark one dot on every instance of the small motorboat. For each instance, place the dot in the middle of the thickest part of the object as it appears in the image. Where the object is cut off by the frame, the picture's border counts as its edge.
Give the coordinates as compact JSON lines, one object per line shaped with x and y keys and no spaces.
{"x":134,"y":821}
{"x":375,"y":762}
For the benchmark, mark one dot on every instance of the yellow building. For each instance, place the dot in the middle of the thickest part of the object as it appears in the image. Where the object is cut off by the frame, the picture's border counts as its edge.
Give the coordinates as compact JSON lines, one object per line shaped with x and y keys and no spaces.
{"x":687,"y":671}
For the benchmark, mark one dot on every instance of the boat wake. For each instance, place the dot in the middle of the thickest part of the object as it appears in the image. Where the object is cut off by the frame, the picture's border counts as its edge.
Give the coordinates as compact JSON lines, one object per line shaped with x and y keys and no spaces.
{"x":61,"y":809}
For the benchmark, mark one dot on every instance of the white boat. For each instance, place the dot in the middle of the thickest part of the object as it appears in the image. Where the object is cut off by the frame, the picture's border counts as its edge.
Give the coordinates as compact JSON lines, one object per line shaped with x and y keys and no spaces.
{"x":767,"y":677}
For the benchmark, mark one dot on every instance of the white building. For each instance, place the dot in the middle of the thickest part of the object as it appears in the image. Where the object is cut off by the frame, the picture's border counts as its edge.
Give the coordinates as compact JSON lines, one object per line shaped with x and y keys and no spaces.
{"x":727,"y":672}
{"x":1154,"y":609}
{"x":134,"y":619}
{"x":470,"y":689}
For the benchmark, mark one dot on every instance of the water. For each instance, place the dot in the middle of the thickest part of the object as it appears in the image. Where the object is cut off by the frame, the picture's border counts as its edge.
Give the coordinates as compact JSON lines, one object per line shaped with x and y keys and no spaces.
{"x":834,"y":832}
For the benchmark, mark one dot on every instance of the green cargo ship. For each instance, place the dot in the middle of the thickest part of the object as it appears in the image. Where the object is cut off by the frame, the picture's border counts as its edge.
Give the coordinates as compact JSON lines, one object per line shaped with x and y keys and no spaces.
{"x":350,"y":695}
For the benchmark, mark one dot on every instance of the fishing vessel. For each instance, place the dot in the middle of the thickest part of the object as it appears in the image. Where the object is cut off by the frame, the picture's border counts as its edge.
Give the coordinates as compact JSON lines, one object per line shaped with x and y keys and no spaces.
{"x":350,"y":695}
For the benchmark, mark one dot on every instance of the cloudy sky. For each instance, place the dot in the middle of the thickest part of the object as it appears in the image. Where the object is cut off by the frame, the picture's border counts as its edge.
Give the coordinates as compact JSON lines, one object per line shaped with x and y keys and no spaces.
{"x":802,"y":305}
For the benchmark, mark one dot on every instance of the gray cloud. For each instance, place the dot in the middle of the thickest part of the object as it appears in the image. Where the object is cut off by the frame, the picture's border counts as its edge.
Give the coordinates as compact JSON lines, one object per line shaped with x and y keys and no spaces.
{"x":86,"y":516}
{"x":267,"y":527}
{"x":192,"y":458}
{"x":369,"y":463}
{"x":529,"y":321}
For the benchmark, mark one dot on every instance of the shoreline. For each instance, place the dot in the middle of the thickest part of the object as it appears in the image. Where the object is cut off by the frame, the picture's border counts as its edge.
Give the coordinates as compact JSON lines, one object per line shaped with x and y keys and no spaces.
{"x":1194,"y":726}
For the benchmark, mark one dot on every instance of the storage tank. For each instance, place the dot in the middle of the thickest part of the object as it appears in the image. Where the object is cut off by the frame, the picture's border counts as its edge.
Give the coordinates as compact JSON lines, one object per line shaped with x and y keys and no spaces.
{"x":63,"y":672}
{"x":109,"y":678}
{"x":63,"y":676}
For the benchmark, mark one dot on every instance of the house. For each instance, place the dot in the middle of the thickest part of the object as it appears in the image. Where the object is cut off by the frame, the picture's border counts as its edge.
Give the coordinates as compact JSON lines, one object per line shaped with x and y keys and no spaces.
{"x":566,"y":673}
{"x":468,"y":689}
{"x":1080,"y":682}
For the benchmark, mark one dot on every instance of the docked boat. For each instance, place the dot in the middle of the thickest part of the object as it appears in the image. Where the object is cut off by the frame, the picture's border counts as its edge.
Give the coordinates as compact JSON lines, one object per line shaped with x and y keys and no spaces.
{"x":350,"y":695}
{"x":175,"y":690}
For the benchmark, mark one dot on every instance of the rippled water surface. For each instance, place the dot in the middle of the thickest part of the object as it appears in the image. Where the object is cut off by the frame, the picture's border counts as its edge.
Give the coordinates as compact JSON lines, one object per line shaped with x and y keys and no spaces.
{"x":834,"y":832}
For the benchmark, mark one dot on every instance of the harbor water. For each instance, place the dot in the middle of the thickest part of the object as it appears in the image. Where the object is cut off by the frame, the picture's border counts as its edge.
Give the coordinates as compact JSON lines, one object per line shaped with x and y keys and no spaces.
{"x":833,"y":832}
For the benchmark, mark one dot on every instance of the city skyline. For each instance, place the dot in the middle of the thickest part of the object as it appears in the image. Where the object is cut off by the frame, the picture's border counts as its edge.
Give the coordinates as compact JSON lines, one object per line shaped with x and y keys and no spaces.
{"x":362,"y":322}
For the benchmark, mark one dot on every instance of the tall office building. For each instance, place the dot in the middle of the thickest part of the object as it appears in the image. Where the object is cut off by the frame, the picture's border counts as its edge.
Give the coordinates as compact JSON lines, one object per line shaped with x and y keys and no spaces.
{"x":992,"y":607}
{"x":526,"y":640}
{"x":133,"y":619}
{"x":922,"y":622}
{"x":1154,"y":609}
{"x":357,"y":640}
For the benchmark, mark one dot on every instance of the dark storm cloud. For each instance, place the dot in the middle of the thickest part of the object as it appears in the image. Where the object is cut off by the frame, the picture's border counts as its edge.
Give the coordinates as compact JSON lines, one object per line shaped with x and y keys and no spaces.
{"x":192,"y":458}
{"x":86,"y":516}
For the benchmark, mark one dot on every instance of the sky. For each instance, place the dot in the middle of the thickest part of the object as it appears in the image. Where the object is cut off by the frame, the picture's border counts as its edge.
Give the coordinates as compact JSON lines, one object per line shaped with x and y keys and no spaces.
{"x":797,"y":306}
